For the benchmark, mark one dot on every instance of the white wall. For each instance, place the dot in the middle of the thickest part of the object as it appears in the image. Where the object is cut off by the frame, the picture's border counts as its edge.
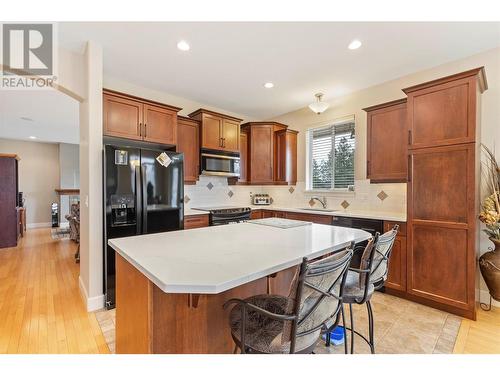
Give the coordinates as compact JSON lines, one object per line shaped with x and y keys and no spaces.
{"x":38,"y":177}
{"x":91,"y":246}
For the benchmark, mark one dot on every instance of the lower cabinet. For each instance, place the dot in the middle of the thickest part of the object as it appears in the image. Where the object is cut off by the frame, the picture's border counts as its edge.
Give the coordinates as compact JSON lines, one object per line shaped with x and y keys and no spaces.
{"x":396,"y":278}
{"x":318,"y":219}
{"x":256,"y":214}
{"x":195,"y":221}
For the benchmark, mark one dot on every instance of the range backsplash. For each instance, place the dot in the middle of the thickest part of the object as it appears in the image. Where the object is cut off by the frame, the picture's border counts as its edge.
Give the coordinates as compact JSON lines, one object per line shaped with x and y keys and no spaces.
{"x":212,"y":191}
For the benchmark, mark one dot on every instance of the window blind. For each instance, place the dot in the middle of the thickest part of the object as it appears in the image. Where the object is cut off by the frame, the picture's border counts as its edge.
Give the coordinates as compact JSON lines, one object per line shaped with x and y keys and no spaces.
{"x":331,"y":164}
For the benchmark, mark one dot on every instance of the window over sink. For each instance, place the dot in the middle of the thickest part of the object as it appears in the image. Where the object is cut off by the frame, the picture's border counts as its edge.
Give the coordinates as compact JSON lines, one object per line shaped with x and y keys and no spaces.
{"x":330,"y":156}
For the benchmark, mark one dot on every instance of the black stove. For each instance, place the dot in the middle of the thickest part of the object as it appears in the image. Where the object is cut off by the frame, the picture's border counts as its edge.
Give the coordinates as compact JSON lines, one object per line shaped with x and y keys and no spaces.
{"x":227,"y":215}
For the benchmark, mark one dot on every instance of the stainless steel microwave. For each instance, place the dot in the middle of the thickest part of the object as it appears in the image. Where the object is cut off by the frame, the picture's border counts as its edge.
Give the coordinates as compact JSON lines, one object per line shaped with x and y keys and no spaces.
{"x":220,"y":165}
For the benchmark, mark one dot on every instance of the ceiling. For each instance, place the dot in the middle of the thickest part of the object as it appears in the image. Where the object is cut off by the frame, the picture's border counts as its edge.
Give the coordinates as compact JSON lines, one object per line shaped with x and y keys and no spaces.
{"x":49,"y":115}
{"x":228,"y":63}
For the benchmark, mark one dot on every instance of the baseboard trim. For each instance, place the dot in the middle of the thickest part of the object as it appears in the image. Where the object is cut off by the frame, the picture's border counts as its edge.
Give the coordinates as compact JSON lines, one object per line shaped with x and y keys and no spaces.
{"x":484,"y":297}
{"x":93,"y":303}
{"x":38,"y":225}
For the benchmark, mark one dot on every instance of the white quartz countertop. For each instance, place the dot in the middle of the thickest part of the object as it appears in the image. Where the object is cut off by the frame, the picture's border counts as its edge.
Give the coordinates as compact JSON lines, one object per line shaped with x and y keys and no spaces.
{"x":364,"y":214}
{"x":214,"y":259}
{"x":191,"y":212}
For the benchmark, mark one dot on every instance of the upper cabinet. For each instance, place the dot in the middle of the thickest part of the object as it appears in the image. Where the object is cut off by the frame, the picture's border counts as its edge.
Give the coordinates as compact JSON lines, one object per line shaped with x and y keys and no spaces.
{"x":134,"y":118}
{"x":218,"y":131}
{"x":188,"y":142}
{"x":243,"y":157}
{"x":270,"y":157}
{"x":443,"y":112}
{"x":387,"y":142}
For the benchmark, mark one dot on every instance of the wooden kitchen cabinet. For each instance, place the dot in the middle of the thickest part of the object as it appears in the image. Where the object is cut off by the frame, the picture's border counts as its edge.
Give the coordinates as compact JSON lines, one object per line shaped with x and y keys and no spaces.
{"x":271,"y":157}
{"x":243,"y":179}
{"x":122,"y":117}
{"x":261,"y":154}
{"x":160,"y":125}
{"x":317,"y":219}
{"x":396,"y":277}
{"x":139,"y":119}
{"x":188,"y":142}
{"x":387,"y":142}
{"x":285,"y":166}
{"x":443,"y":161}
{"x":443,"y":112}
{"x":256,"y":214}
{"x":218,"y":131}
{"x":196,"y":221}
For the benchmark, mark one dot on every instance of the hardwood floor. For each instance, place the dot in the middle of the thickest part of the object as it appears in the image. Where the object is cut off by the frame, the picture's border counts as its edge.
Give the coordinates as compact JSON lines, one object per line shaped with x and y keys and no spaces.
{"x":41,"y":310}
{"x":481,"y":336}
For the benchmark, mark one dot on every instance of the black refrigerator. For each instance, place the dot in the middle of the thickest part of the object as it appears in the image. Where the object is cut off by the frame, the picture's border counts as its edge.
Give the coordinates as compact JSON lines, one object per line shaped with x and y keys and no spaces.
{"x":143,"y":193}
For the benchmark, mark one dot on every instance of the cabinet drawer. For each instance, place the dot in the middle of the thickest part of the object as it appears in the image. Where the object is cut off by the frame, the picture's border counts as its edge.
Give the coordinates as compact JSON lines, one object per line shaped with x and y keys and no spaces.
{"x":388,"y":225}
{"x":256,"y":214}
{"x":318,"y":219}
{"x":197,"y":221}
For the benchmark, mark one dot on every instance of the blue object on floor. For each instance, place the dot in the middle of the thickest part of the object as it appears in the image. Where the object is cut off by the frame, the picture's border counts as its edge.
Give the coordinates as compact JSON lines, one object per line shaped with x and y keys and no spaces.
{"x":337,"y":336}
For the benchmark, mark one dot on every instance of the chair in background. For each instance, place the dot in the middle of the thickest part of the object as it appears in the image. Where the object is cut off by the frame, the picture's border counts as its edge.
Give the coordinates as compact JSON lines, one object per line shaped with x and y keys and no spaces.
{"x":278,"y":324}
{"x":74,"y":227}
{"x":360,"y":282}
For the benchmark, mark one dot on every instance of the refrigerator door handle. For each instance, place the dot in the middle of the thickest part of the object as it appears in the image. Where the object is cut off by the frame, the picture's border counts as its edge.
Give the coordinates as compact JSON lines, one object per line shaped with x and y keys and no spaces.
{"x":144,"y":201}
{"x":138,"y":197}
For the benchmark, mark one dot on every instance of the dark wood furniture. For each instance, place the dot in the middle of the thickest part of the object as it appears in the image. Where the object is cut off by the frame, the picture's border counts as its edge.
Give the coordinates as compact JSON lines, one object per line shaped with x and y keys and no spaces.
{"x":387,"y":139}
{"x":271,"y":154}
{"x":218,"y":131}
{"x":22,"y":220}
{"x":9,"y":188}
{"x":396,"y":278}
{"x":442,"y":232}
{"x":188,"y":142}
{"x":139,"y":119}
{"x":195,"y":221}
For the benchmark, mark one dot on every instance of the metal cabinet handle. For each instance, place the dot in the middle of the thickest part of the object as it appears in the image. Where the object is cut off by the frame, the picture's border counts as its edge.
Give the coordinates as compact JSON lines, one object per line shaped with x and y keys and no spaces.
{"x":140,"y":129}
{"x":409,"y":137}
{"x":145,"y":130}
{"x":224,"y":142}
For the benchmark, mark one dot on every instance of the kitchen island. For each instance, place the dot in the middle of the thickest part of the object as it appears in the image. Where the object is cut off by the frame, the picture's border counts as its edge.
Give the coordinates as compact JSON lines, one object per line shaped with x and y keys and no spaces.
{"x":170,"y":287}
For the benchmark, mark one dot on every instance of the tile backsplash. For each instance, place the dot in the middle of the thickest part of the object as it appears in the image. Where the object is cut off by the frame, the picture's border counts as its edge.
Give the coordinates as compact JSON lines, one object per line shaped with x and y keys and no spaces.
{"x":213,"y":191}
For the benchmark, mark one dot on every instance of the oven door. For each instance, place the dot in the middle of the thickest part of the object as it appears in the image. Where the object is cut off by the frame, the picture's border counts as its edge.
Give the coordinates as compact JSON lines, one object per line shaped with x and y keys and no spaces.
{"x":220,"y":165}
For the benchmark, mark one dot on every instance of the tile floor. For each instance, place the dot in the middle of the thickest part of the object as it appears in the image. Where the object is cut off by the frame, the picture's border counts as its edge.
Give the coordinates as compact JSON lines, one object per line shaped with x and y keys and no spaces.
{"x":401,"y":327}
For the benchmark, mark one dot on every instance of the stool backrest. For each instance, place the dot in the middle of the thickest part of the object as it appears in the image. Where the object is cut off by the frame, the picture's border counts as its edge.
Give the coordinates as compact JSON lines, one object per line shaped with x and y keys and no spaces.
{"x":318,"y":296}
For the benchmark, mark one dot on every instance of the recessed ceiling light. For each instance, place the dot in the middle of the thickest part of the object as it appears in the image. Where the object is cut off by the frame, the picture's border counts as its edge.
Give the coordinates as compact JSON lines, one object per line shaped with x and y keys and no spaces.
{"x":183,"y":45}
{"x":268,"y":85}
{"x":32,"y":137}
{"x":26,"y":118}
{"x":355,"y":44}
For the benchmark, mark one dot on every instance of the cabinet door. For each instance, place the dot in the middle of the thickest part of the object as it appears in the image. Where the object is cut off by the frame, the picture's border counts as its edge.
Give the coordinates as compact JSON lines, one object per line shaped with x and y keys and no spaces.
{"x":441,"y":227}
{"x":211,"y":132}
{"x":160,"y":125}
{"x":243,"y":157}
{"x":396,"y":278}
{"x":387,"y":135}
{"x":122,"y":117}
{"x":230,"y":135}
{"x":267,"y":213}
{"x":443,"y":114}
{"x":285,"y":166}
{"x":195,"y":221}
{"x":318,"y":219}
{"x":256,"y":214}
{"x":261,"y":154}
{"x":188,"y":142}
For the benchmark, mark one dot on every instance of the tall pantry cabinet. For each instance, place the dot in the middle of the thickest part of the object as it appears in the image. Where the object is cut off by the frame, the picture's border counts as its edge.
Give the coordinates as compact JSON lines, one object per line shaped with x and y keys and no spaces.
{"x":443,"y":183}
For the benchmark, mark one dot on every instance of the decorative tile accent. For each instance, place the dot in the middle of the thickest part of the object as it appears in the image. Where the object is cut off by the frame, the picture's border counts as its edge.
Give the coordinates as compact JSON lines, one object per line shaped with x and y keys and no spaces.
{"x":186,"y":199}
{"x":230,"y":193}
{"x":382,"y":195}
{"x":210,"y":186}
{"x":345,"y":204}
{"x":312,"y":202}
{"x":291,"y":189}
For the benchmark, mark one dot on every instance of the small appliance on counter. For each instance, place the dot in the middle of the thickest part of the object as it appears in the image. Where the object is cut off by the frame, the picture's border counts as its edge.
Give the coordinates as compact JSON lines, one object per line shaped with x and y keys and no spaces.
{"x":261,"y":199}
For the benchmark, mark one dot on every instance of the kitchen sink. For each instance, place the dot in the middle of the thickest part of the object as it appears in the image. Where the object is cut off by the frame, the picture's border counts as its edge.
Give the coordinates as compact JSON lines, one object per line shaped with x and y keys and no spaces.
{"x":317,"y":209}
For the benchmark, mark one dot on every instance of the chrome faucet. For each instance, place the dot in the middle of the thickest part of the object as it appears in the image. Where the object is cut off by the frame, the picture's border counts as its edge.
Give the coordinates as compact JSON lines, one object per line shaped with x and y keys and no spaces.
{"x":320,"y":200}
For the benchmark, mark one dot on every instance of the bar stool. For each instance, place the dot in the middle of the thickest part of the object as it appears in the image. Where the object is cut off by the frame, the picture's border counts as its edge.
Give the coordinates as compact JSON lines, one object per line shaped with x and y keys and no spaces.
{"x":360,"y":282}
{"x":277,"y":324}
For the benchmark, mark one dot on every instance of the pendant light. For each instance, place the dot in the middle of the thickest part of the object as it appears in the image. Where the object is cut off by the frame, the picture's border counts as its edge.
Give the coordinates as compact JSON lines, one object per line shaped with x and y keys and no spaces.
{"x":318,"y":106}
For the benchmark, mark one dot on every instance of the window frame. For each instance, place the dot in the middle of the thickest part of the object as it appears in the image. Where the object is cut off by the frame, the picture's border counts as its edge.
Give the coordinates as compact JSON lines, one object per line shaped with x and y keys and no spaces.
{"x":309,"y":159}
